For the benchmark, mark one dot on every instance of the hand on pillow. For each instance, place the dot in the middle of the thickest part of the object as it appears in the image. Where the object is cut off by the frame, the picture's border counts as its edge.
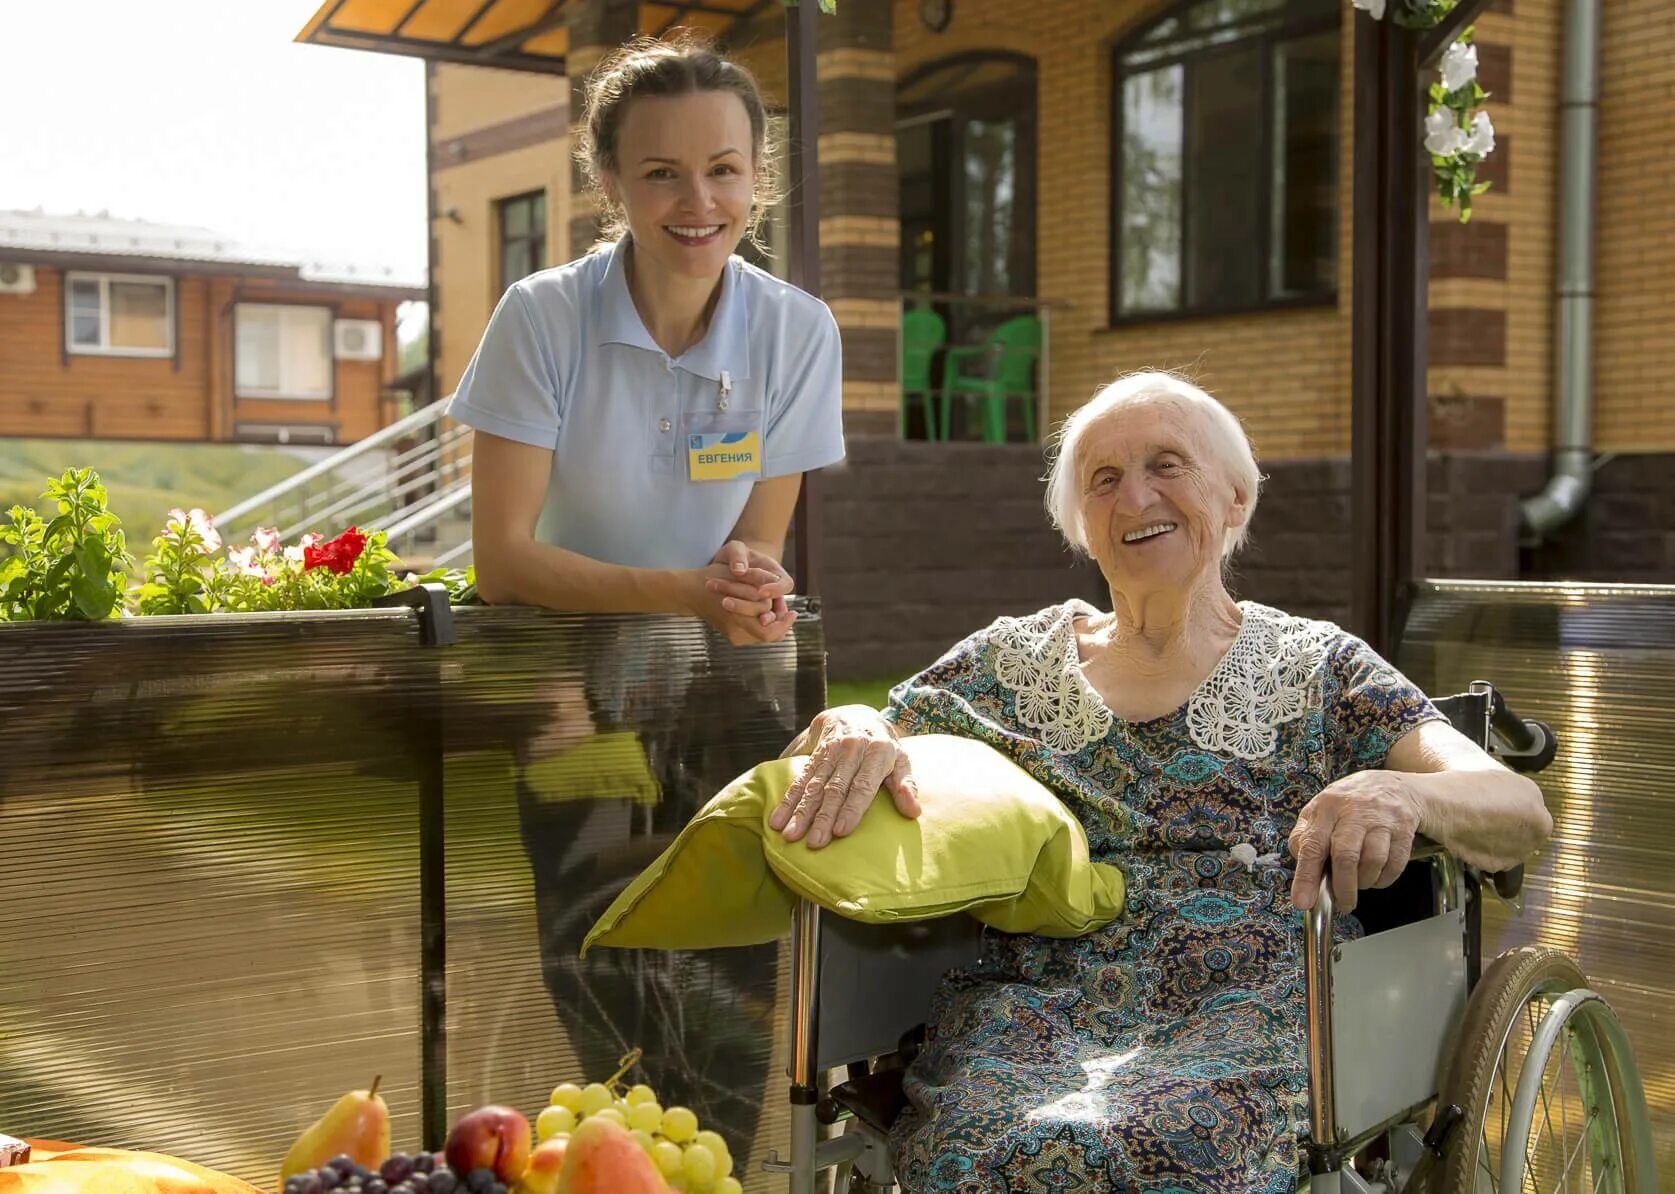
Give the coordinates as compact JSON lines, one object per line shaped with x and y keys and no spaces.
{"x":855,"y":751}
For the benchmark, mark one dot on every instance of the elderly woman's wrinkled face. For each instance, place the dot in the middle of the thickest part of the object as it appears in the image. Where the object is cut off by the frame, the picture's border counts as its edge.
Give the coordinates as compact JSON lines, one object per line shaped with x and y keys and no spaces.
{"x":1156,"y":507}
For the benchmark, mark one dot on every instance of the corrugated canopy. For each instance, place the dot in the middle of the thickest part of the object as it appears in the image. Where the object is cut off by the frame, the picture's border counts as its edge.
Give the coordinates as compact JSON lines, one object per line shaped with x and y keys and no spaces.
{"x":511,"y":34}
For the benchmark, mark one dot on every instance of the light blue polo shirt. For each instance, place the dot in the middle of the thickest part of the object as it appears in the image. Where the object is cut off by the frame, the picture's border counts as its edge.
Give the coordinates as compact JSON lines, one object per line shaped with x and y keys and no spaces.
{"x":567,"y":364}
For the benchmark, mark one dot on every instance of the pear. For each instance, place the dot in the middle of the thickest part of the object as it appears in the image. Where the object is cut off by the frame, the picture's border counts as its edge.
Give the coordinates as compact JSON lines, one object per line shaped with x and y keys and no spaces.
{"x":356,"y":1126}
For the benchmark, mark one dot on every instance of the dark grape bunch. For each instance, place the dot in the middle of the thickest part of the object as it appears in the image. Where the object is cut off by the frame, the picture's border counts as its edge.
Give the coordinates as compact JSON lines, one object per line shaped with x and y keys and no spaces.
{"x":422,"y":1173}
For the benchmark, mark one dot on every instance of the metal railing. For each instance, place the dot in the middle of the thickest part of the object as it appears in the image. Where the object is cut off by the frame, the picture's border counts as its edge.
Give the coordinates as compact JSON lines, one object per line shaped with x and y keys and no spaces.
{"x":381,"y":482}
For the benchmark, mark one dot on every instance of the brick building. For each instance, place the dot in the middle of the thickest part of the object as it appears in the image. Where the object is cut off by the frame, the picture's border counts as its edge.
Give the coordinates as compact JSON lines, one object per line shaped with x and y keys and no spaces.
{"x":1163,"y":183}
{"x":126,"y":329}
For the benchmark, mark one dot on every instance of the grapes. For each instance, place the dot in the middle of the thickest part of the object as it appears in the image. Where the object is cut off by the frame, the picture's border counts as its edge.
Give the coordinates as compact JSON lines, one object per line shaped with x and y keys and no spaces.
{"x":729,"y":1185}
{"x":699,"y":1166}
{"x":480,"y":1181}
{"x":443,"y":1181}
{"x":641,"y":1094}
{"x":646,"y":1117}
{"x":424,"y":1163}
{"x":567,"y":1094}
{"x":595,"y":1098}
{"x":679,"y":1124}
{"x":375,"y":1185}
{"x":554,"y":1121}
{"x":667,"y":1156}
{"x":396,"y":1169}
{"x":644,"y":1140}
{"x":328,"y":1178}
{"x":612,"y":1114}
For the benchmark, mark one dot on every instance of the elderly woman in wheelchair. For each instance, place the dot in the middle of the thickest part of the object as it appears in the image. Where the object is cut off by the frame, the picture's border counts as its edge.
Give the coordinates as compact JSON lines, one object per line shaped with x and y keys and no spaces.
{"x":1240,"y":765}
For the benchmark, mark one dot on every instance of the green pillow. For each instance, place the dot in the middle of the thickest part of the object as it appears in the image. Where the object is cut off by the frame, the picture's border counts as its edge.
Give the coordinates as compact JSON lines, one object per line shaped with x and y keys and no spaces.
{"x":990,"y":841}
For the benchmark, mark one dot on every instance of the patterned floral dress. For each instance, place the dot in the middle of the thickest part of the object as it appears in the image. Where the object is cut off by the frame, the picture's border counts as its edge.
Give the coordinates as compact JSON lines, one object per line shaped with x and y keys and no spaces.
{"x":1166,"y":1052}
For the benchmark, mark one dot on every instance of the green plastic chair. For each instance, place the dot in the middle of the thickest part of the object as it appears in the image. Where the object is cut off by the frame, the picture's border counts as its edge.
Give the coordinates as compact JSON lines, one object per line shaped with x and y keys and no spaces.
{"x":1008,"y":356}
{"x":922,"y":333}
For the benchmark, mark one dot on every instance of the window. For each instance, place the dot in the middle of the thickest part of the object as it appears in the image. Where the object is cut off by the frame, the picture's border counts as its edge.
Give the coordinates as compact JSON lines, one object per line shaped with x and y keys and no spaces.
{"x":282,"y":351}
{"x":523,"y":237}
{"x":1225,"y":159}
{"x":121,"y":315}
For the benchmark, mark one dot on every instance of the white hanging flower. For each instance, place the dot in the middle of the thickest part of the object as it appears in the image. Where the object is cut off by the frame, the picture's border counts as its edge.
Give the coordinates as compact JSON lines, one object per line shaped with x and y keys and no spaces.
{"x":1443,"y":135}
{"x":1373,"y":7}
{"x":1459,"y":65}
{"x":1481,"y":140}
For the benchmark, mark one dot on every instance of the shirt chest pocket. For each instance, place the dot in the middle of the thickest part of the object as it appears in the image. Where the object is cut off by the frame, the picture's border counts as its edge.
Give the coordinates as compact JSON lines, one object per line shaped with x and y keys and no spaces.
{"x":724,"y":445}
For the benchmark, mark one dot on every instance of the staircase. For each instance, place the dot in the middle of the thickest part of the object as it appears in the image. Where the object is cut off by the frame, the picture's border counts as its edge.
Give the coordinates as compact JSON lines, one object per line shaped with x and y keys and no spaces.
{"x":411,"y":480}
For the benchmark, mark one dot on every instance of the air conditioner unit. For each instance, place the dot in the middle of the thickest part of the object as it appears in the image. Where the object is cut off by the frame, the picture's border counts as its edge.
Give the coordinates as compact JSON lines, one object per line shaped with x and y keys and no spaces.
{"x":16,"y":279}
{"x":358,"y":340}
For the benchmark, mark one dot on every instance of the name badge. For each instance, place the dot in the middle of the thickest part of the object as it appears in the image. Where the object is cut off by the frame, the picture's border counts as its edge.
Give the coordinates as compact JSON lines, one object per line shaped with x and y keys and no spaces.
{"x":724,"y":455}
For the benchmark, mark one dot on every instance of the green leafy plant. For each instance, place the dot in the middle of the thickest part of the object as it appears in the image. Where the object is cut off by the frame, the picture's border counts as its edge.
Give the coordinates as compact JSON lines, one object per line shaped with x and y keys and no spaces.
{"x":1458,"y":133}
{"x":461,"y":583}
{"x":70,"y":568}
{"x":180,"y":576}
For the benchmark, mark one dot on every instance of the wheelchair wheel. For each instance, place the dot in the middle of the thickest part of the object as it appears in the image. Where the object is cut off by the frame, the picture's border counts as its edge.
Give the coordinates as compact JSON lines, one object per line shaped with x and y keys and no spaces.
{"x":1547,"y":1090}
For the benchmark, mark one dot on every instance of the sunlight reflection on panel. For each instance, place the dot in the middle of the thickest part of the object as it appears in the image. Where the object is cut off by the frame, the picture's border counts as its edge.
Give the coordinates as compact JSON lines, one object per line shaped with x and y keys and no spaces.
{"x":1597,"y":662}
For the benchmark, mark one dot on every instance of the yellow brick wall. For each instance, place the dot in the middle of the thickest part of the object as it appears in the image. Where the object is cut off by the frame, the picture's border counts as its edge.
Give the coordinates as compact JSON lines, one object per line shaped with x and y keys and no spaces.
{"x":1635,"y":352}
{"x":474,"y":97}
{"x":468,"y":249}
{"x":1286,"y":374}
{"x":1528,"y":119}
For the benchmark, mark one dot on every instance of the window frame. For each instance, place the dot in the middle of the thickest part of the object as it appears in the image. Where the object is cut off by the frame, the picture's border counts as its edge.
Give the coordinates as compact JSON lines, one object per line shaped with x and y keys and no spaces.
{"x":104,"y":348}
{"x":500,"y":239}
{"x":1269,"y":36}
{"x":330,"y":396}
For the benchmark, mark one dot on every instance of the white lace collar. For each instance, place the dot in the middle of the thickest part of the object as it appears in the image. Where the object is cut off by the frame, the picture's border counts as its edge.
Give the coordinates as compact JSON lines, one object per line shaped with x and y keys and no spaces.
{"x":1263,"y":681}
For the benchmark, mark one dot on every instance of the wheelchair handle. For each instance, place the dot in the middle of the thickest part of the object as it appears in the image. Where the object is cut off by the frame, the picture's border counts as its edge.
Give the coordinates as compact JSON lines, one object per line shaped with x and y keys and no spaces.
{"x":1525,"y":743}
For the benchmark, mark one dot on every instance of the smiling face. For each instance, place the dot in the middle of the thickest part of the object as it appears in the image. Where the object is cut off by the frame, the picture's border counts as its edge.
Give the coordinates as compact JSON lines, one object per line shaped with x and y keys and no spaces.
{"x":685,"y":177}
{"x":1156,"y":505}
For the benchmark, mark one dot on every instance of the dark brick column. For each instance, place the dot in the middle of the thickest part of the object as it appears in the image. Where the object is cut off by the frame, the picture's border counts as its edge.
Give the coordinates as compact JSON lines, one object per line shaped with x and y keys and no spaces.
{"x":859,"y":217}
{"x":596,"y":28}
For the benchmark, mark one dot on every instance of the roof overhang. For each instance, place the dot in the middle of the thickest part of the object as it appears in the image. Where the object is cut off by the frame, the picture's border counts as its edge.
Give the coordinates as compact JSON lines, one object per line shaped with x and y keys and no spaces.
{"x":530,"y":35}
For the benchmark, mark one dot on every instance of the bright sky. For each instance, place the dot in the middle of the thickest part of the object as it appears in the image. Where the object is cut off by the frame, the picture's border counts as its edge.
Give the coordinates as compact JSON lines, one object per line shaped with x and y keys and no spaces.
{"x":206,"y":112}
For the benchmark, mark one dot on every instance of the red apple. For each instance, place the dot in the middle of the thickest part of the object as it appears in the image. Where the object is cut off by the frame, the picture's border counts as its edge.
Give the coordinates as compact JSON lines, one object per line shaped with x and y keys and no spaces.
{"x":496,"y":1138}
{"x":544,"y":1165}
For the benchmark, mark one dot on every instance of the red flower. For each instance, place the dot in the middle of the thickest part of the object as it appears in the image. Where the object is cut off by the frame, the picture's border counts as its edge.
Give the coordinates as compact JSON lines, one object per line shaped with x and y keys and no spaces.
{"x":337,"y":554}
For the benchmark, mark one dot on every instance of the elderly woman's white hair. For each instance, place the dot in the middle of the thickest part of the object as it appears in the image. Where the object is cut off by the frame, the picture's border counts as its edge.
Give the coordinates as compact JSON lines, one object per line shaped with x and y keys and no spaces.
{"x":1222,"y":434}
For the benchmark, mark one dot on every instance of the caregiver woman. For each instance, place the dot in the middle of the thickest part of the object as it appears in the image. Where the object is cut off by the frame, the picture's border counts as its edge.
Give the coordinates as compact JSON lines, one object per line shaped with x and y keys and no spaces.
{"x":644,"y":415}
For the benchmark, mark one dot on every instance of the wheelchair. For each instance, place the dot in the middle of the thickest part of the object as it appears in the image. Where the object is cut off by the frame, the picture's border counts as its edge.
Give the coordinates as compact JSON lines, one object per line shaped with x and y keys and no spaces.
{"x":1427,"y":1071}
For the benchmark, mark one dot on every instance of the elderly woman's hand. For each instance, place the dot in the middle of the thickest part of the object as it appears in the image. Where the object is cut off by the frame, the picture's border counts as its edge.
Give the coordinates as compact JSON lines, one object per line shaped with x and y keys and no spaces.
{"x":1365,"y":824}
{"x":854,"y":751}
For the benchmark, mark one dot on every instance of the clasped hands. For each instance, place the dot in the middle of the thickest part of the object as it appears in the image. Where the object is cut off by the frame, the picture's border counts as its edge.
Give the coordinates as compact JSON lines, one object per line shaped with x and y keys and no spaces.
{"x":742,"y":594}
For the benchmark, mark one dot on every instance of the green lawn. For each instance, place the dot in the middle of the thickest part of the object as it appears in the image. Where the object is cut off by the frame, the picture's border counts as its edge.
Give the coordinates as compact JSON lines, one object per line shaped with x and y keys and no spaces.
{"x":145,"y":480}
{"x":859,"y":692}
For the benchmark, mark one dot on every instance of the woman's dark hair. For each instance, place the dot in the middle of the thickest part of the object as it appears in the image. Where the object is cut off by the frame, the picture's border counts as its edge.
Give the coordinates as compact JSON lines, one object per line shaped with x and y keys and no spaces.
{"x":684,"y":64}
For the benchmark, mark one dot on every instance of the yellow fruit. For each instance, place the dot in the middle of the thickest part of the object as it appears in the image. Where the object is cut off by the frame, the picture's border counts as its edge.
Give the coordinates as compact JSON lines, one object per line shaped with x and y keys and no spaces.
{"x":680,"y":1124}
{"x":646,"y":1117}
{"x":699,"y":1166}
{"x":641,"y":1094}
{"x":718,"y":1146}
{"x":667,"y":1156}
{"x":554,"y":1121}
{"x":595,"y":1098}
{"x":612,"y":1114}
{"x":644,"y":1140}
{"x":357,"y":1125}
{"x":729,"y":1185}
{"x":566,"y":1094}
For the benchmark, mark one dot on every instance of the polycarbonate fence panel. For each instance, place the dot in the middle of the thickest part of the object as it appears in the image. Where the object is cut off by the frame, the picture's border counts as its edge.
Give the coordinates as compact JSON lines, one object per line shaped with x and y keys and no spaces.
{"x":576,"y":748}
{"x":209,"y":881}
{"x":1598,"y":664}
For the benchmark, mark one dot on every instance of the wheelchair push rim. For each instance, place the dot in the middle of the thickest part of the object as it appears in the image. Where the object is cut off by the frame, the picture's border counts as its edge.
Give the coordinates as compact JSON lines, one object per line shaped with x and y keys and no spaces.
{"x":1550,"y":1097}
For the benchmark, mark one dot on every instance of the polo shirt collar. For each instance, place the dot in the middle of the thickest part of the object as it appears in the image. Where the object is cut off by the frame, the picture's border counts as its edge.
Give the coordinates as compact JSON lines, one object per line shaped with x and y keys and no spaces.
{"x":725,"y":345}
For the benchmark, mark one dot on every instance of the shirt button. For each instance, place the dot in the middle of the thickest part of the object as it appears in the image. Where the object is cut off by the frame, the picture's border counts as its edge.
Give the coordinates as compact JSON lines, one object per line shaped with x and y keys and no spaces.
{"x":664,"y":425}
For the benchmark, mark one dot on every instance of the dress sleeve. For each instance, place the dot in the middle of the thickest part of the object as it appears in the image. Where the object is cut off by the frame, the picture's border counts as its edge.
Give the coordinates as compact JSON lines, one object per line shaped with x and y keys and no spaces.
{"x":1369,"y":706}
{"x":509,"y":388}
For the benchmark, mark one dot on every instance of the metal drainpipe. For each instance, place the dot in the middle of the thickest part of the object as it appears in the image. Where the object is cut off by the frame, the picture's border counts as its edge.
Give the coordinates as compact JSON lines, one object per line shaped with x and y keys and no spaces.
{"x":1573,"y":405}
